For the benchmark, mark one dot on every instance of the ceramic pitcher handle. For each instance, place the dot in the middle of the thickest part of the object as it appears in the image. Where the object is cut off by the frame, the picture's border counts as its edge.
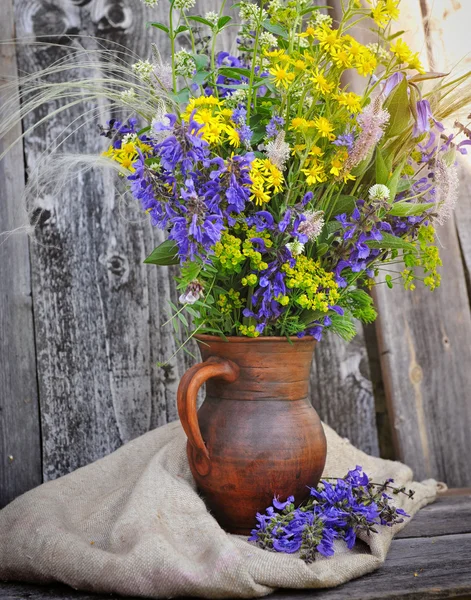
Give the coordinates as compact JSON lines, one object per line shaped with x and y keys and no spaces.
{"x":190,"y":383}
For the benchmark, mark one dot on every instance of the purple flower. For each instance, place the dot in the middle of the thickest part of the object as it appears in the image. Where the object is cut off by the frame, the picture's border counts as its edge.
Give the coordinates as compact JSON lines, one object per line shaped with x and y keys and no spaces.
{"x":424,"y":114}
{"x":274,"y":126}
{"x":346,"y":139}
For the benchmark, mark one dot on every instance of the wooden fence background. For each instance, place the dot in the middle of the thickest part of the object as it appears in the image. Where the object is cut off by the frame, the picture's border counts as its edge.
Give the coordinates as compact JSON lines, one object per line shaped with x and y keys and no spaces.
{"x":81,"y":316}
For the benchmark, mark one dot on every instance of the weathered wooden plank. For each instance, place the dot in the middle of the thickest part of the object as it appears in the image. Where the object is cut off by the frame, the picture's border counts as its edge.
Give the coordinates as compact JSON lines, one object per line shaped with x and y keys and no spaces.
{"x":426,"y":349}
{"x":342,"y":392}
{"x":94,"y":298}
{"x":20,"y":447}
{"x":449,"y":514}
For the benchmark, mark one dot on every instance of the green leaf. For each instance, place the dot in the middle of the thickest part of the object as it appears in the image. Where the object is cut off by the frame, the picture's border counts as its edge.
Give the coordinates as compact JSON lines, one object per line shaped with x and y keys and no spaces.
{"x":395,"y":35}
{"x":398,"y":107}
{"x":427,"y":76}
{"x":394,"y":181}
{"x":165,"y":254}
{"x":201,"y":61}
{"x":409,"y":209}
{"x":182,"y":318}
{"x":313,"y":8}
{"x":382,"y":168}
{"x":160,"y":26}
{"x":389,"y":281}
{"x":322,"y":249}
{"x":232,"y":71}
{"x":404,"y":185}
{"x":275,"y":29}
{"x":200,"y":77}
{"x":343,"y":204}
{"x":182,"y":97}
{"x":181,"y":29}
{"x":390,"y":242}
{"x":308,"y":316}
{"x":200,"y":20}
{"x":223,"y":21}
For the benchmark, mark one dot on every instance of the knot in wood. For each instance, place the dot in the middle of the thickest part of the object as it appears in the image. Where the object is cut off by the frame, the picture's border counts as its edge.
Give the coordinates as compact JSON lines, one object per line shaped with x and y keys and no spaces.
{"x":49,"y":20}
{"x":117,"y":265}
{"x":115,"y":16}
{"x":416,"y":374}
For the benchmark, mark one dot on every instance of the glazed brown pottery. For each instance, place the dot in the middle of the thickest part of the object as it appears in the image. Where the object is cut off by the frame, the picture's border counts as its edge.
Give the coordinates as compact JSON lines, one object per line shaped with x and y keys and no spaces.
{"x":256,"y":434}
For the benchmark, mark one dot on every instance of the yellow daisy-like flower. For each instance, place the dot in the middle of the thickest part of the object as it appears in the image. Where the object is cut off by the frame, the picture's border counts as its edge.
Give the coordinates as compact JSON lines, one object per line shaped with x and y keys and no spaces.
{"x":232,"y":136}
{"x":283,"y":77}
{"x":321,"y":83}
{"x":259,"y":195}
{"x":366,"y":63}
{"x":316,"y":151}
{"x":341,"y":57}
{"x":299,"y":65}
{"x":278,"y":56}
{"x":328,"y":38}
{"x":310,"y":32}
{"x":212,"y":132}
{"x":351,"y":101}
{"x":337,"y":162}
{"x":414,"y":62}
{"x":301,"y":124}
{"x":298,"y":148}
{"x":401,"y":50}
{"x":315,"y":173}
{"x":324,"y":127}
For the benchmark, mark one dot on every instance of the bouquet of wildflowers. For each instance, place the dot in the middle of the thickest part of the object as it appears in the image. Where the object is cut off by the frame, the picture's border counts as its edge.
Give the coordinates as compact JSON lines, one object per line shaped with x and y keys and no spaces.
{"x":340,"y":511}
{"x":283,"y":193}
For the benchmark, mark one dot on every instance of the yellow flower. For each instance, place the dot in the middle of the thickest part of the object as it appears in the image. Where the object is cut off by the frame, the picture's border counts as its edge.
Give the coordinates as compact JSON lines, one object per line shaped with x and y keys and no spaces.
{"x":401,"y":50}
{"x":328,"y":38}
{"x":324,"y":127}
{"x":259,"y":196}
{"x":310,"y":32}
{"x":316,"y":151}
{"x":282,"y":76}
{"x":278,"y":56}
{"x":232,"y":136}
{"x":315,"y":173}
{"x":322,"y":85}
{"x":337,"y":162}
{"x":415,"y":63}
{"x":298,"y":148}
{"x":366,"y":63}
{"x":341,"y":57}
{"x":299,"y":65}
{"x":212,"y":132}
{"x":351,"y":101}
{"x":354,"y":48}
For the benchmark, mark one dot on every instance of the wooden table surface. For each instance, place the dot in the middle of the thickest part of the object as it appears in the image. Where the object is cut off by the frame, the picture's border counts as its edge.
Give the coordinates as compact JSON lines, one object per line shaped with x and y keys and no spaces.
{"x":430,"y":558}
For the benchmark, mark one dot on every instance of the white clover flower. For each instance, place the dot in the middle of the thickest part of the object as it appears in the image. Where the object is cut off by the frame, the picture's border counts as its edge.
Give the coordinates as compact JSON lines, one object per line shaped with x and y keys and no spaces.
{"x":278,"y":151}
{"x":212,"y":17}
{"x":321,"y":19}
{"x":274,"y":6}
{"x":151,"y":3}
{"x":267,"y":40}
{"x":379,"y":192}
{"x":128,"y":96}
{"x":296,"y":248}
{"x":184,"y":4}
{"x":184,"y":64}
{"x":143,"y":69}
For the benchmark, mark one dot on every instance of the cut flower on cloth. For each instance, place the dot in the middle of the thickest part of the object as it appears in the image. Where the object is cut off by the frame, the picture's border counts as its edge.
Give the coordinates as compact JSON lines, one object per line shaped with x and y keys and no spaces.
{"x":133,"y":524}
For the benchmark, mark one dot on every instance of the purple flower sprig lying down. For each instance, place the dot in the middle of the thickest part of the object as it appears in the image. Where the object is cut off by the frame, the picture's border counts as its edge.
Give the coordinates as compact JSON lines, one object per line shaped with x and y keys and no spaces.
{"x":334,"y":511}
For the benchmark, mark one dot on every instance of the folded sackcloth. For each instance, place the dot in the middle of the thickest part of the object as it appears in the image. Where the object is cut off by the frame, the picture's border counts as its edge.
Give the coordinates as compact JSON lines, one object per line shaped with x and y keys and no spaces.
{"x":133,"y":524}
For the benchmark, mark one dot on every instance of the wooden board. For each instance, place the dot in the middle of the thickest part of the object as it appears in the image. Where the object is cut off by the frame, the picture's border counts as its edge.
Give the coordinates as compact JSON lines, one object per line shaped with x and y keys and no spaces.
{"x":430,"y":558}
{"x":425,"y":338}
{"x":20,"y":447}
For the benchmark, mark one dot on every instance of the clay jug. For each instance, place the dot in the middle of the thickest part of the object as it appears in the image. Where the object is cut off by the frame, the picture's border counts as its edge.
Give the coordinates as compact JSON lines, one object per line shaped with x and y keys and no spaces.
{"x":256,"y":434}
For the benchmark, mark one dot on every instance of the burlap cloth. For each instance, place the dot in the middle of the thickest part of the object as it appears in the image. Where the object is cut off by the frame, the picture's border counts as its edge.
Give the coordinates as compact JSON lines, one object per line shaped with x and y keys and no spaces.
{"x":132,"y":523}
